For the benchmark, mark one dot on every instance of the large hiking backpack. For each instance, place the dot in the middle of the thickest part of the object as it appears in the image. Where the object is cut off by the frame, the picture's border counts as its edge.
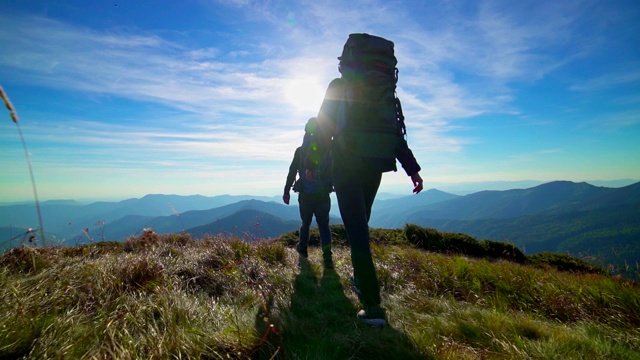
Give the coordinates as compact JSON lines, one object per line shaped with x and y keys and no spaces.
{"x":370,"y":119}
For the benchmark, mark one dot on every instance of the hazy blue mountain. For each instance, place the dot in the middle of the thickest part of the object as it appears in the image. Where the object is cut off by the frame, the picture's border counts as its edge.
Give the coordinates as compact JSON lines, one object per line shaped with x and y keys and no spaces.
{"x":133,"y":224}
{"x":388,"y":213}
{"x":550,"y":198}
{"x":66,"y":217}
{"x":387,"y":196}
{"x":155,"y":204}
{"x":548,"y":231}
{"x":613,"y":183}
{"x":538,"y":217}
{"x":161,"y":205}
{"x":60,"y":202}
{"x":247,"y":224}
{"x":617,"y":196}
{"x":465,"y":188}
{"x":123,"y":228}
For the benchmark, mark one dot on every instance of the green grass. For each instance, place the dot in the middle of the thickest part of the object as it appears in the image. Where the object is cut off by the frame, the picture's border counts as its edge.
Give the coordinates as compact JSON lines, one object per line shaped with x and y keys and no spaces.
{"x":173,"y":297}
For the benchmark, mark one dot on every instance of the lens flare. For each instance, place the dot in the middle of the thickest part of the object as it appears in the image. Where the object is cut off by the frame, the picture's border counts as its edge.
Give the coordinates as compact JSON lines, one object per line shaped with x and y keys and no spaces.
{"x":305,"y":94}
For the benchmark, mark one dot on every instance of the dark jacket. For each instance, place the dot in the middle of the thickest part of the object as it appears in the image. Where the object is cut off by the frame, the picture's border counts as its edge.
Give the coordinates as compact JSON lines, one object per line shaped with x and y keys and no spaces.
{"x":322,"y":187}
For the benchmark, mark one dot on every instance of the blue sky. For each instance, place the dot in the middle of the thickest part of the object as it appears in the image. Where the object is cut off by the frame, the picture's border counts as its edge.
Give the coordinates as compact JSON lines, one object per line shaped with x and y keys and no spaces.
{"x":123,"y":98}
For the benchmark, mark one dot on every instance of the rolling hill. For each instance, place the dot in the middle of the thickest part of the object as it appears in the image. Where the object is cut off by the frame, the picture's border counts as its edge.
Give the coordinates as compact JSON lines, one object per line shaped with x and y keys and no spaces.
{"x":131,"y":225}
{"x":62,"y":217}
{"x":247,"y":223}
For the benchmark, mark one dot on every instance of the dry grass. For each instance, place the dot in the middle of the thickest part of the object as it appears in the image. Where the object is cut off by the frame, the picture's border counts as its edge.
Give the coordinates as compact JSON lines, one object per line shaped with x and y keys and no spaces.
{"x":173,"y":297}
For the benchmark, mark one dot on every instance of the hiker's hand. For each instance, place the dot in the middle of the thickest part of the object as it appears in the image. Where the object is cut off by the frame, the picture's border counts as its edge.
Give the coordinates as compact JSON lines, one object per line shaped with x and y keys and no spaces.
{"x":286,"y":197}
{"x":417,"y":182}
{"x":310,"y":174}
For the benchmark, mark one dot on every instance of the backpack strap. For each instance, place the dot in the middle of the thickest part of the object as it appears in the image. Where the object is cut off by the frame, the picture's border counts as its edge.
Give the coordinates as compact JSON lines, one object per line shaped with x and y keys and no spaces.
{"x":400,"y":116}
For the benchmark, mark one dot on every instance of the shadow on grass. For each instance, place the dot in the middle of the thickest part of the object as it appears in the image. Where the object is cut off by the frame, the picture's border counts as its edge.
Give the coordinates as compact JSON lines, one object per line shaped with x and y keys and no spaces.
{"x":321,"y":323}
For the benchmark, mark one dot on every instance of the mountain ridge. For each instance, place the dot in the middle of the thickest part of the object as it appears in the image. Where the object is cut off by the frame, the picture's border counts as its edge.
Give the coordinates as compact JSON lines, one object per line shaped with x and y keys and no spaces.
{"x":554,"y":197}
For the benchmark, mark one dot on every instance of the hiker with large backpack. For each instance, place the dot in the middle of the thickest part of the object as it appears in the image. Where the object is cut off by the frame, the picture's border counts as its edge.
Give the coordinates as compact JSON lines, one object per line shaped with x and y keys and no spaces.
{"x":361,"y":123}
{"x":313,"y":196}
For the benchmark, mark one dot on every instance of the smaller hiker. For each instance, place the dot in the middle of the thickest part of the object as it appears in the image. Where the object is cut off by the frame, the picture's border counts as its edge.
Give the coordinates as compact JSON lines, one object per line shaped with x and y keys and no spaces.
{"x":313,"y":197}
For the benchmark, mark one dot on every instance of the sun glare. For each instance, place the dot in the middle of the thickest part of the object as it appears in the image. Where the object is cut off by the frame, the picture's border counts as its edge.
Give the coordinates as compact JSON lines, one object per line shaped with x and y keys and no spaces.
{"x":305,"y":94}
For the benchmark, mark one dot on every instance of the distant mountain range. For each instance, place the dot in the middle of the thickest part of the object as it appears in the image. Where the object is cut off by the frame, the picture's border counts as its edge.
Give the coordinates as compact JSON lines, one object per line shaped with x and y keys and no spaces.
{"x":239,"y":218}
{"x":72,"y":223}
{"x":248,"y":223}
{"x":546,"y":199}
{"x":66,"y":219}
{"x":559,"y":216}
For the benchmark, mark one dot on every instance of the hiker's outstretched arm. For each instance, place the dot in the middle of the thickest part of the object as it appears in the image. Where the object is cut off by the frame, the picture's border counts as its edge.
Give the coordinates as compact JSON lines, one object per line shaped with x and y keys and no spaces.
{"x":407,"y":160}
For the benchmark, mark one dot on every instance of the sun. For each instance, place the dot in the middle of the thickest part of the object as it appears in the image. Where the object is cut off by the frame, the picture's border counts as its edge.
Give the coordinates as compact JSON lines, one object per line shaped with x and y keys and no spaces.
{"x":305,"y":94}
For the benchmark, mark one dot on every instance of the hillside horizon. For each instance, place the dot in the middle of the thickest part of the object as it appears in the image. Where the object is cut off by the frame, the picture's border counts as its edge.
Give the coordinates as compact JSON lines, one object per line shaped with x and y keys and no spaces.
{"x":463,"y":188}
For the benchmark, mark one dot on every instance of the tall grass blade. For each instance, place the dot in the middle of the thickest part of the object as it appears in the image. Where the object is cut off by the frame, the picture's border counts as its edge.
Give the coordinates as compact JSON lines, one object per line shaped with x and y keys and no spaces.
{"x":14,"y":118}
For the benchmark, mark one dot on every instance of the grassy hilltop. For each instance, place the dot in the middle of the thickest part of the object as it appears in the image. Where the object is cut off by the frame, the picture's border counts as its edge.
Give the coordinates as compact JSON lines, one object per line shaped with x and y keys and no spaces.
{"x":447,"y":295}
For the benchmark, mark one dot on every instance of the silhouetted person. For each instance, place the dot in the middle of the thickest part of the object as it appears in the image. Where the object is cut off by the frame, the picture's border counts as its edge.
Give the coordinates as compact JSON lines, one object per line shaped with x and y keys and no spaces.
{"x":356,"y":178}
{"x":313,"y":198}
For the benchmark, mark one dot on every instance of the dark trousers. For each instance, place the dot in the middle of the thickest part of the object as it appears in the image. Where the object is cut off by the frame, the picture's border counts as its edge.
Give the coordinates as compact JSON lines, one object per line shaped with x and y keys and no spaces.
{"x":355,"y":199}
{"x":318,"y":205}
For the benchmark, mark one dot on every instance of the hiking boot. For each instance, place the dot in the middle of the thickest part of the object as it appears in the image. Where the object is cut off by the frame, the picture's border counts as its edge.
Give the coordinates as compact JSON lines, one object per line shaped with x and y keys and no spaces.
{"x":303,"y":252}
{"x":354,"y":285}
{"x":328,"y":260}
{"x":373,"y":316}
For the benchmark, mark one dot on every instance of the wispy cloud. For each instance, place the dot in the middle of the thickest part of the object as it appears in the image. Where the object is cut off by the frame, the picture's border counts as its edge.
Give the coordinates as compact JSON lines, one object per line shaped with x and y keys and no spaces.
{"x":142,"y":67}
{"x":615,"y":121}
{"x":610,"y":81}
